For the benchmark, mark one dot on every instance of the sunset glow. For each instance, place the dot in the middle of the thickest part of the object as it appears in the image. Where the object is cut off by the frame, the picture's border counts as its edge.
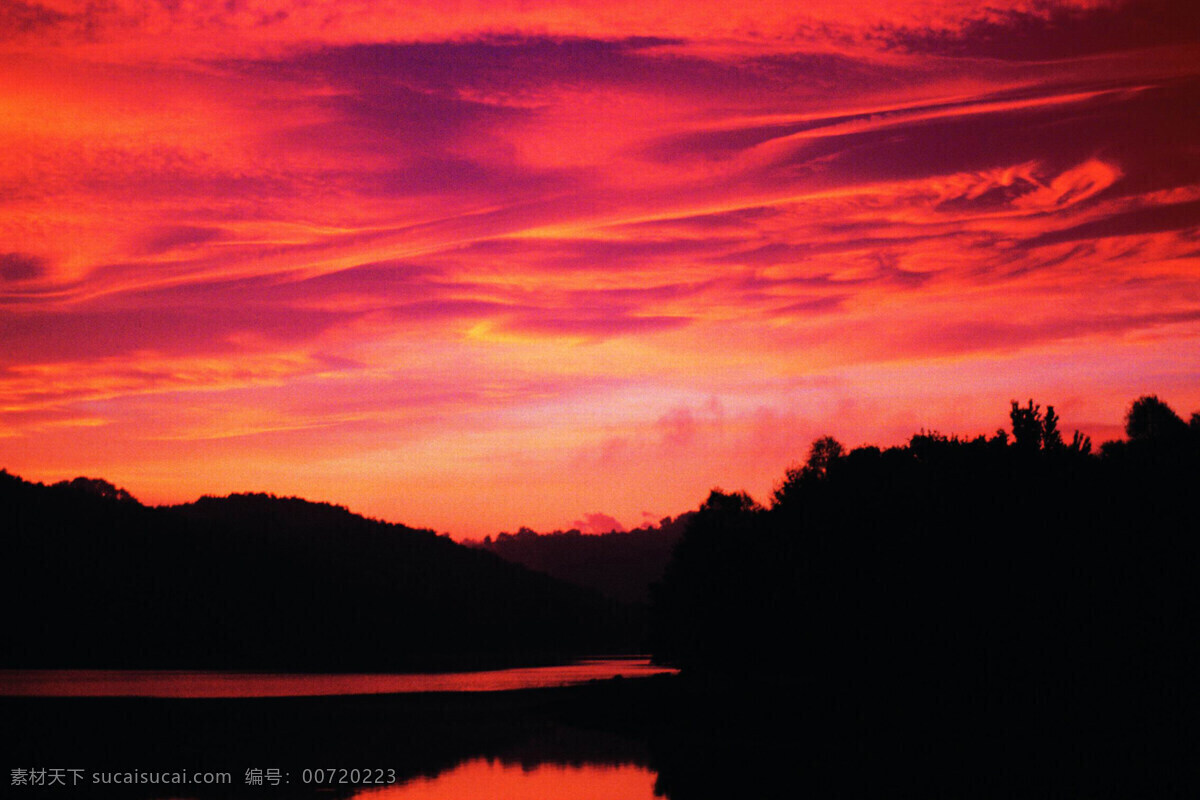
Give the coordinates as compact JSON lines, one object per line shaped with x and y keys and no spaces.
{"x":517,"y":264}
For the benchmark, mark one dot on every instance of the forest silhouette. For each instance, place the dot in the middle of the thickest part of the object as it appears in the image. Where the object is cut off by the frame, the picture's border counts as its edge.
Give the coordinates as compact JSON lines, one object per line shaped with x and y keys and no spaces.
{"x":1014,"y":599}
{"x":1014,"y":552}
{"x":620,"y":564}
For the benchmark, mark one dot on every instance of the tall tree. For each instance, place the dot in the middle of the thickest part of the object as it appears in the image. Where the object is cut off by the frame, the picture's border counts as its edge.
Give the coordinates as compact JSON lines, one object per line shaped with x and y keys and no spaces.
{"x":1149,"y":418}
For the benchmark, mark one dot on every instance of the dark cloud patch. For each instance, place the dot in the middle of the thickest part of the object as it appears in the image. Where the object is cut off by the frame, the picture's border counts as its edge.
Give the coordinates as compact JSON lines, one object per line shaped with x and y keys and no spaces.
{"x":17,"y":17}
{"x":385,"y":127}
{"x":774,"y":254}
{"x":641,"y":295}
{"x":820,"y":292}
{"x":162,"y":240}
{"x":1149,"y":133}
{"x":442,"y":173}
{"x":391,"y":110}
{"x":508,"y":64}
{"x":377,"y":279}
{"x":613,"y":255}
{"x":977,"y":336}
{"x":1177,"y":216}
{"x":998,"y":197}
{"x":764,"y":288}
{"x":448,"y":308}
{"x":380,"y":285}
{"x":1057,"y":136}
{"x":56,"y":336}
{"x":890,"y":271}
{"x":785,"y":253}
{"x":592,"y":326}
{"x":724,"y":144}
{"x":15,"y":267}
{"x":200,"y":294}
{"x":517,"y":68}
{"x":815,"y":305}
{"x":718,"y":144}
{"x":1056,"y":32}
{"x":409,"y":104}
{"x":1018,"y":262}
{"x":713,"y":145}
{"x":943,"y":146}
{"x":34,"y":417}
{"x":386,"y":118}
{"x":734,"y":222}
{"x":1146,"y":131}
{"x":124,"y":177}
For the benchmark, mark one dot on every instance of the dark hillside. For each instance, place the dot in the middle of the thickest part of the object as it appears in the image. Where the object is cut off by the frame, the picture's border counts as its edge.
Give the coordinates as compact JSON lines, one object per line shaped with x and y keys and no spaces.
{"x":94,"y":579}
{"x":620,"y":564}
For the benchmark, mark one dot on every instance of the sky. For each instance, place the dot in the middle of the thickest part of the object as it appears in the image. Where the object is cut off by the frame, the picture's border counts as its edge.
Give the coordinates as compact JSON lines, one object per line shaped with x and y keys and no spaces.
{"x":477,"y":265}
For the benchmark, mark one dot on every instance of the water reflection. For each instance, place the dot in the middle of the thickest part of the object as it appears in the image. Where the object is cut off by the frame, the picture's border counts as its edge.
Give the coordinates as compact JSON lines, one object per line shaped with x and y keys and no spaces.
{"x":179,"y":683}
{"x":552,"y":743}
{"x":496,"y":780}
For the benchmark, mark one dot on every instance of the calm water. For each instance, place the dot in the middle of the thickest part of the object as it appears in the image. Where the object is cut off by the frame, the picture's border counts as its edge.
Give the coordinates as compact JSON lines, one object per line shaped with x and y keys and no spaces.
{"x":461,"y":749}
{"x":179,"y":683}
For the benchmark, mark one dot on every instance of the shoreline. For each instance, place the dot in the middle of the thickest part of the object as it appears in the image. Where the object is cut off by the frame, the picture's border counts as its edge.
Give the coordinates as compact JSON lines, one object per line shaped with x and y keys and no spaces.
{"x":83,"y":683}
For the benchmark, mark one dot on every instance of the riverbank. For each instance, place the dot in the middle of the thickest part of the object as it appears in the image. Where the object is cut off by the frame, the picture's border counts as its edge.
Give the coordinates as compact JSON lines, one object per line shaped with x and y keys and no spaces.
{"x":408,"y":735}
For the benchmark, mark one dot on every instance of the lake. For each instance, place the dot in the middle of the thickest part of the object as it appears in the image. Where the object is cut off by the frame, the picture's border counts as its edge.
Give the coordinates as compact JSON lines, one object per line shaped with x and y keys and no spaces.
{"x":560,"y":734}
{"x":555,"y":733}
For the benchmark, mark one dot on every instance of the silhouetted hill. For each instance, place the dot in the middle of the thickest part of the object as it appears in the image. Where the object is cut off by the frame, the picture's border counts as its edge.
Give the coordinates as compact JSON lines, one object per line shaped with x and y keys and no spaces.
{"x":93,"y":578}
{"x":620,"y":564}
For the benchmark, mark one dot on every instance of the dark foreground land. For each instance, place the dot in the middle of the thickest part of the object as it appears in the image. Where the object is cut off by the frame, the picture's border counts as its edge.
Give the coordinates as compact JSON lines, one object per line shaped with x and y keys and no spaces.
{"x":91,"y":578}
{"x":704,"y":740}
{"x":999,"y":617}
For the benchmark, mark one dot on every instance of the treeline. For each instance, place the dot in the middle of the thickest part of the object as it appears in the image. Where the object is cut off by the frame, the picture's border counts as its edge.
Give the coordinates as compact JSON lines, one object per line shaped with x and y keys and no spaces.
{"x":92,"y":578}
{"x":1021,"y":580}
{"x":620,"y":564}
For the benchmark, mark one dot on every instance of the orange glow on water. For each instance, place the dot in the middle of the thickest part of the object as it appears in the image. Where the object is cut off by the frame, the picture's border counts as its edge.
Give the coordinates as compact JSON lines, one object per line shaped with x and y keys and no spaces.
{"x":190,"y":684}
{"x":500,"y":781}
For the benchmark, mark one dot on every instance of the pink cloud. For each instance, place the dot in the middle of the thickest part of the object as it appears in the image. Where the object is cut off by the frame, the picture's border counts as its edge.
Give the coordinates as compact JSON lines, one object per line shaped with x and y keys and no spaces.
{"x":598,"y":523}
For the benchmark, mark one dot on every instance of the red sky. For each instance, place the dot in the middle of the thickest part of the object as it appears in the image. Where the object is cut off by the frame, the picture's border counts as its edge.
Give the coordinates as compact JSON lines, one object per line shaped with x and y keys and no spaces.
{"x":519,"y":264}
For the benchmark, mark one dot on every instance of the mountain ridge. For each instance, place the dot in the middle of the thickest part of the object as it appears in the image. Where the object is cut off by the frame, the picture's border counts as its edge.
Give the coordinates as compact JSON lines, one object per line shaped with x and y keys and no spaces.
{"x":94,"y":578}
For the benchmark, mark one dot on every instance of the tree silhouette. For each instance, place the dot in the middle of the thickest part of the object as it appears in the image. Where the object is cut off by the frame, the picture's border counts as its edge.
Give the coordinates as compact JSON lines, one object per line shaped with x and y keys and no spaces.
{"x":705,"y":595}
{"x":1149,"y":418}
{"x":1027,"y":426}
{"x":1051,"y":438}
{"x":1033,"y":432}
{"x":822,"y":454}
